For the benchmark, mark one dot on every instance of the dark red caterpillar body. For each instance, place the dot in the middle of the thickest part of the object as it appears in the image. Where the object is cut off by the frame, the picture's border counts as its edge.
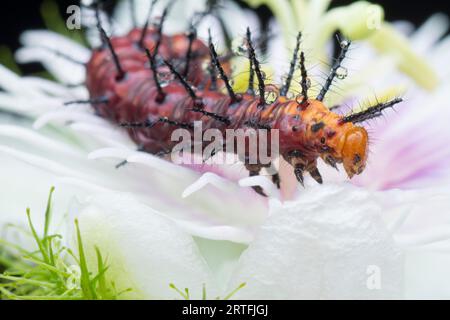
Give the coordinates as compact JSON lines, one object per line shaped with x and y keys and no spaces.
{"x":307,"y":129}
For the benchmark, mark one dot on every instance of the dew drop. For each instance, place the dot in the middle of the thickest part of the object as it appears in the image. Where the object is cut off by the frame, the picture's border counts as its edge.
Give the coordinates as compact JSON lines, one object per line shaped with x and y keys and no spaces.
{"x":290,"y":95}
{"x":156,"y":22}
{"x":238,"y":48}
{"x":270,"y":97}
{"x":263,"y":74}
{"x":271,"y":94}
{"x":299,"y":99}
{"x":165,"y":78}
{"x":308,"y":82}
{"x":341,"y":73}
{"x":206,"y":65}
{"x":344,"y":44}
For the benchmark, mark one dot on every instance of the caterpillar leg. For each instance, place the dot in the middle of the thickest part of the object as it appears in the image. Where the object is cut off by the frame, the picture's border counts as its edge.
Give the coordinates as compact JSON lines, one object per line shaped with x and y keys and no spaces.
{"x":299,"y":169}
{"x":301,"y":165}
{"x":276,"y":180}
{"x":275,"y":176}
{"x":315,"y":174}
{"x":254,"y":170}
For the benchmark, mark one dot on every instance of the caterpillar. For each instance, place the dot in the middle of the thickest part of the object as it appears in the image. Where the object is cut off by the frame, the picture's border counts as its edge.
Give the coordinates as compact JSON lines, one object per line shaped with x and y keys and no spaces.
{"x":150,"y":84}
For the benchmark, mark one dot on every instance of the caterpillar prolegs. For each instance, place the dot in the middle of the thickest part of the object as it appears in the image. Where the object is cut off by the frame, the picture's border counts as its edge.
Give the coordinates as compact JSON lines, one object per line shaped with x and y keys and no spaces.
{"x":151,"y":84}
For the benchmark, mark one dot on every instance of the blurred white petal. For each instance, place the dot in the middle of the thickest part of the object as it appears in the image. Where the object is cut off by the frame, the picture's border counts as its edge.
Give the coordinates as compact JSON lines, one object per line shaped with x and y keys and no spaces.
{"x":135,"y":258}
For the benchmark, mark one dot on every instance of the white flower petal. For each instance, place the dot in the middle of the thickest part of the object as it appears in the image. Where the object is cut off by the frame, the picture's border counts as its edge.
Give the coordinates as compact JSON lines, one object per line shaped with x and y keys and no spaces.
{"x":64,"y":116}
{"x":163,"y":166}
{"x":57,"y":66}
{"x":424,"y":275}
{"x":25,"y":186}
{"x":237,"y":20}
{"x":145,"y":251}
{"x":206,"y":204}
{"x":37,"y":140}
{"x":267,"y":185}
{"x":124,"y":16}
{"x":110,"y":153}
{"x":44,"y":163}
{"x":326,"y":242}
{"x":50,"y":87}
{"x":430,"y":32}
{"x":55,"y":41}
{"x":13,"y":84}
{"x":109,"y":136}
{"x":205,"y":179}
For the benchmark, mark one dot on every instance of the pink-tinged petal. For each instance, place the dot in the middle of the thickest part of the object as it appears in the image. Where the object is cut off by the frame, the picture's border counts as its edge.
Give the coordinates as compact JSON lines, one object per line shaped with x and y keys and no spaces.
{"x":410,"y":147}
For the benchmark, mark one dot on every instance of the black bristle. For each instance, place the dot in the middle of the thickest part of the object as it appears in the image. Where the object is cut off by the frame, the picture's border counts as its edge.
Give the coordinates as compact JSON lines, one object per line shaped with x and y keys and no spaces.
{"x":150,"y":124}
{"x":251,"y":78}
{"x":223,"y":76}
{"x":192,"y":35}
{"x":257,"y":125}
{"x":345,"y":44}
{"x":371,"y":112}
{"x":304,"y":82}
{"x":212,"y":68}
{"x":212,"y":115}
{"x":161,"y":94}
{"x":185,"y":84}
{"x":107,"y":40}
{"x":147,"y":21}
{"x":198,"y":103}
{"x":285,"y":89}
{"x":100,"y":100}
{"x":252,"y":55}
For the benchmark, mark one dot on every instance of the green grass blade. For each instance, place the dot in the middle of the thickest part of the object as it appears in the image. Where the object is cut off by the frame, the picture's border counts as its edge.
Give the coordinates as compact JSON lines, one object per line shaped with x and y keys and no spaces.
{"x":101,"y":269}
{"x":48,"y":213}
{"x":228,"y":297}
{"x":36,"y":238}
{"x":86,"y":284}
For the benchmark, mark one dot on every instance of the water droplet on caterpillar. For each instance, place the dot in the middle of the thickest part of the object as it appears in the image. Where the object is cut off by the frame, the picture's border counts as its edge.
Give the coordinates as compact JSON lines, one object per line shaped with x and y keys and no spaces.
{"x":341,"y":73}
{"x":344,"y":44}
{"x":308,"y":82}
{"x":299,"y":99}
{"x":206,"y":65}
{"x":238,"y":48}
{"x":156,"y":22}
{"x":270,"y":97}
{"x":271,"y":94}
{"x":230,"y":80}
{"x":165,"y":78}
{"x":264,"y":75}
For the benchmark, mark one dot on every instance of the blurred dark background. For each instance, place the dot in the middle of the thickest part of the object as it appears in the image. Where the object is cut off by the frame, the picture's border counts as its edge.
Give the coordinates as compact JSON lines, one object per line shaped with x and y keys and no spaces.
{"x":18,"y":16}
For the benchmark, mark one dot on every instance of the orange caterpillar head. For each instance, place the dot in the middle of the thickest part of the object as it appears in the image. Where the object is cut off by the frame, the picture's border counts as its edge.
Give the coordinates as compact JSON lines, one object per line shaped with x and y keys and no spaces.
{"x":331,"y":137}
{"x":340,"y":142}
{"x":353,"y":150}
